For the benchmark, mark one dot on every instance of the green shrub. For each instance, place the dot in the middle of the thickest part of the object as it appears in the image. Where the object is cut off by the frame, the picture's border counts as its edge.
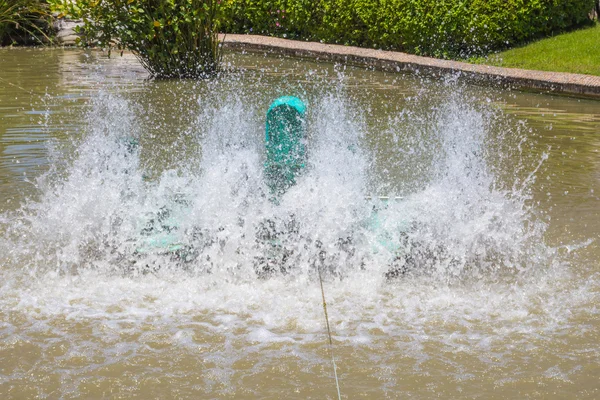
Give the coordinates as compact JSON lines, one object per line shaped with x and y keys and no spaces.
{"x":171,"y":38}
{"x":286,"y":18}
{"x":441,"y":28}
{"x":24,"y":22}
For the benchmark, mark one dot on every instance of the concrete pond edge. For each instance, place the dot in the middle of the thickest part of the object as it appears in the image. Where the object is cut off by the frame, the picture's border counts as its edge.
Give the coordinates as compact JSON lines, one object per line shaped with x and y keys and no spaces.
{"x":521,"y":79}
{"x":578,"y":85}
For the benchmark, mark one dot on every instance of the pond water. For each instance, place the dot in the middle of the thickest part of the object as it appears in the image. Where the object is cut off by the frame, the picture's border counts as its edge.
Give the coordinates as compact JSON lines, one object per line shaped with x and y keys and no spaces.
{"x":478,"y":278}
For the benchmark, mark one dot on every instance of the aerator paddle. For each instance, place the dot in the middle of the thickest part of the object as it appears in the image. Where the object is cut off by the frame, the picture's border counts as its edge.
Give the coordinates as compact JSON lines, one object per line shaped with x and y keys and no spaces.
{"x":285,"y":139}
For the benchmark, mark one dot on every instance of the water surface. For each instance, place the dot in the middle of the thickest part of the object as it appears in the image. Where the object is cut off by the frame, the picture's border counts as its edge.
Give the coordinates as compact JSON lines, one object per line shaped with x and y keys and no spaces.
{"x":494,"y":220}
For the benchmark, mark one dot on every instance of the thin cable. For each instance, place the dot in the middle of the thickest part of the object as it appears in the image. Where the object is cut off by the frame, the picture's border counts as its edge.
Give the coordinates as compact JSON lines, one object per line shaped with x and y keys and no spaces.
{"x":337,"y":383}
{"x":22,"y":88}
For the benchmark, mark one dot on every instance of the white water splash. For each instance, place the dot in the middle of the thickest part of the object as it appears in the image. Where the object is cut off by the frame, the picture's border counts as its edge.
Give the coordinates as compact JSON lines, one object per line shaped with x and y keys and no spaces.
{"x":469,"y":252}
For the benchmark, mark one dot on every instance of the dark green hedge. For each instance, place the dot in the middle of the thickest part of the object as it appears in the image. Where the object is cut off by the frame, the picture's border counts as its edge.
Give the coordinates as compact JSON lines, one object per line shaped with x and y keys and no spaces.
{"x":441,"y":28}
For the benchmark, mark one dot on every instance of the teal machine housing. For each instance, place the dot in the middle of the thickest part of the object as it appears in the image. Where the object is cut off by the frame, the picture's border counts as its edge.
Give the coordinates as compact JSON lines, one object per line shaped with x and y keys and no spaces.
{"x":285,"y":142}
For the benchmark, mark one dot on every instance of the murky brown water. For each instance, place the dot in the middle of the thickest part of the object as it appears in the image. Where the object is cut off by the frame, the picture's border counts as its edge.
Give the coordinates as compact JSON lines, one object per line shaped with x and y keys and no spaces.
{"x":500,"y":216}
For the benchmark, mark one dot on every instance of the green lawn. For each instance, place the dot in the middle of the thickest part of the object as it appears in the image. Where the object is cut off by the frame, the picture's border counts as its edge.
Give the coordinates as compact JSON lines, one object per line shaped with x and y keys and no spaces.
{"x":577,"y":52}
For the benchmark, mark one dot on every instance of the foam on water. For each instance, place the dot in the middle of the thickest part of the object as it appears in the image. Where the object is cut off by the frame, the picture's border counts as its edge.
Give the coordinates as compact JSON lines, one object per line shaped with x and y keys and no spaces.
{"x":470,"y":246}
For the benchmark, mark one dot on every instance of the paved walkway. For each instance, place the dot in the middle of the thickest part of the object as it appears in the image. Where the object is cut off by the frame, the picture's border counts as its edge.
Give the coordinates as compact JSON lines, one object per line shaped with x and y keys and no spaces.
{"x":554,"y":82}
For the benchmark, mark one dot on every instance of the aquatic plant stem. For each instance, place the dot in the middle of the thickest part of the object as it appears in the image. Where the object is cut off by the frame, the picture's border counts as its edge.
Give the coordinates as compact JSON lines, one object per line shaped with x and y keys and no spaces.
{"x":337,"y":382}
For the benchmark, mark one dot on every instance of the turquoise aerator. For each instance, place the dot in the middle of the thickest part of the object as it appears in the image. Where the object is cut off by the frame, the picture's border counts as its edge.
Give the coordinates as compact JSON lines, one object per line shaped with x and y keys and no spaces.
{"x":285,"y":143}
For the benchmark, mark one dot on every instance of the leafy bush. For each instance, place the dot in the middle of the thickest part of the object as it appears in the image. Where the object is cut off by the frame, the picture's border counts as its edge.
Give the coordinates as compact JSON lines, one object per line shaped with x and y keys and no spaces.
{"x":171,"y":38}
{"x":23,"y":21}
{"x":286,"y":18}
{"x":441,"y":28}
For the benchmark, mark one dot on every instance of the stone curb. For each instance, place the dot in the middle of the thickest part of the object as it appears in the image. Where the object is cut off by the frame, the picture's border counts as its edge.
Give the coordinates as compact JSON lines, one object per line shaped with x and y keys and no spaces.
{"x":550,"y":82}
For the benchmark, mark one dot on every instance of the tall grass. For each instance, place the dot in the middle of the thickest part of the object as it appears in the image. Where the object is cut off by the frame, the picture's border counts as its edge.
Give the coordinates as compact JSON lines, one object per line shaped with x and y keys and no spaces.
{"x":24,"y":22}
